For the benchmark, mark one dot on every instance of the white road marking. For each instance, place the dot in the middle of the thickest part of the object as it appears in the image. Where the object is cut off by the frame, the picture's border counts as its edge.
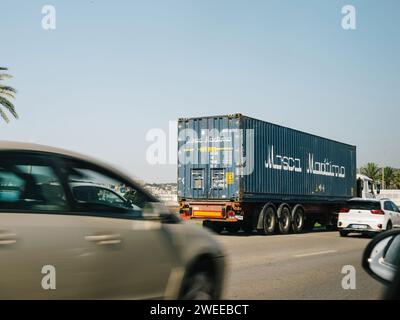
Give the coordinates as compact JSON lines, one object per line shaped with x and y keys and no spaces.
{"x":314,"y":253}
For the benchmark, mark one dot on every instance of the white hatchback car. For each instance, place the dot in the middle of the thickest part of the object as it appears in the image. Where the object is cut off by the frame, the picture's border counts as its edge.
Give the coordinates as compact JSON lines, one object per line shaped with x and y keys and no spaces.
{"x":368,"y":216}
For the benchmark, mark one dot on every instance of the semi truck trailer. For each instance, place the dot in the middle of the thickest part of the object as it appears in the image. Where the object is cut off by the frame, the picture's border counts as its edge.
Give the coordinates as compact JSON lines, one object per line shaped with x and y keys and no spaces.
{"x":236,"y":172}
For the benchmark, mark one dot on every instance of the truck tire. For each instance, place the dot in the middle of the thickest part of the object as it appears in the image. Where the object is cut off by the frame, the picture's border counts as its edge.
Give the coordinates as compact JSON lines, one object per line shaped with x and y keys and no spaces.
{"x":285,"y":220}
{"x":298,"y":219}
{"x":269,"y":220}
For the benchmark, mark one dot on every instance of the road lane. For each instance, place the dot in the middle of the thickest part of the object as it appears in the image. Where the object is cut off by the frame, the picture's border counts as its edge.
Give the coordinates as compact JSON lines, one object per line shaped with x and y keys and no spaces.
{"x":301,"y":266}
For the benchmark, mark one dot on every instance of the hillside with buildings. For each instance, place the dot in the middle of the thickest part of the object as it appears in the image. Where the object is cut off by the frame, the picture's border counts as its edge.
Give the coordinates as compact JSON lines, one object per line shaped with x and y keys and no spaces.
{"x":166,"y":192}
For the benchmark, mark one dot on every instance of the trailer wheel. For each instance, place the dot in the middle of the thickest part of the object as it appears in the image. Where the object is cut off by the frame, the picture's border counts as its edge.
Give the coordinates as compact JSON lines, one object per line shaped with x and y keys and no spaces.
{"x":268,"y":220}
{"x":285,"y":220}
{"x":298,"y":220}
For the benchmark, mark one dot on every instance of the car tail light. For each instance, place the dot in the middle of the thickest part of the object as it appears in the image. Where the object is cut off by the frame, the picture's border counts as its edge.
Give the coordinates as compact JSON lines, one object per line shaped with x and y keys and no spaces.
{"x":344,"y":210}
{"x":377,"y":211}
{"x":231,"y":213}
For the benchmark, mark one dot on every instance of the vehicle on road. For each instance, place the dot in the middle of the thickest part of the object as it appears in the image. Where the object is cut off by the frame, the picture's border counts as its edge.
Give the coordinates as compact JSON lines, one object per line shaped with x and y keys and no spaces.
{"x":236,"y":172}
{"x":381,"y":259}
{"x":368,"y":216}
{"x":65,"y":234}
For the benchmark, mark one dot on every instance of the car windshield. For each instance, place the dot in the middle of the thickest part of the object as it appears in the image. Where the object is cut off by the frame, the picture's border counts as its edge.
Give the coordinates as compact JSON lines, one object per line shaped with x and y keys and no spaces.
{"x":364,"y":205}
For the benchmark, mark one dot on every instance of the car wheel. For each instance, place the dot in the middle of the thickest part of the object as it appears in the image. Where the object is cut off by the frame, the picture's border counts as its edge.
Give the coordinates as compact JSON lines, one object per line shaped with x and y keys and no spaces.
{"x":343,"y":233}
{"x":199,"y":286}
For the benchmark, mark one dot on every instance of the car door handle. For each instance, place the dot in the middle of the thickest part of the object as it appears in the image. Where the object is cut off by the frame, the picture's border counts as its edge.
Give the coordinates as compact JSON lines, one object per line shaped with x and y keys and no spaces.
{"x":105,"y":239}
{"x":7,"y":238}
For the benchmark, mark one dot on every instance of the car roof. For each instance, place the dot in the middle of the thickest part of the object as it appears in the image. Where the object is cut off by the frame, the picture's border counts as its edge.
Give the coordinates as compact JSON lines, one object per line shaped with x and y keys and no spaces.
{"x":22,"y":146}
{"x":370,"y":199}
{"x":365,"y":199}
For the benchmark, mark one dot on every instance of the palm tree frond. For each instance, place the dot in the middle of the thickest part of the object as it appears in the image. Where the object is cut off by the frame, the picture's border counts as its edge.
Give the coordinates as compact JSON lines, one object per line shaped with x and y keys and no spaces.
{"x":7,"y":93}
{"x":5,"y":76}
{"x":371,"y":170}
{"x":4,"y":116}
{"x":7,"y":88}
{"x":9,"y":106}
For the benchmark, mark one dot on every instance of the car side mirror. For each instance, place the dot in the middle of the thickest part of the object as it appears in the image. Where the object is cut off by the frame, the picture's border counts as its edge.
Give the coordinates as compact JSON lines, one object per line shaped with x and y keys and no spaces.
{"x":157,"y":210}
{"x":381,"y":258}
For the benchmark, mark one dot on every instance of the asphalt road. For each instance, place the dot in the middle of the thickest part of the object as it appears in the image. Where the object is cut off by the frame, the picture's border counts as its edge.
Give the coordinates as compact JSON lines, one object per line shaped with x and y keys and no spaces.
{"x":301,"y":266}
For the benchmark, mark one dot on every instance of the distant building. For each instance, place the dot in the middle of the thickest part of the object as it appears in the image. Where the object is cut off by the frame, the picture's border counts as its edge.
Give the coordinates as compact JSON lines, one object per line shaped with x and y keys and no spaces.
{"x":165,"y":192}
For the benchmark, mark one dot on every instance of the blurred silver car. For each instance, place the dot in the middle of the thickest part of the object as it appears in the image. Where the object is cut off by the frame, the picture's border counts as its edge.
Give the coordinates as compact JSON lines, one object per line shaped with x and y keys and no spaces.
{"x":65,"y":233}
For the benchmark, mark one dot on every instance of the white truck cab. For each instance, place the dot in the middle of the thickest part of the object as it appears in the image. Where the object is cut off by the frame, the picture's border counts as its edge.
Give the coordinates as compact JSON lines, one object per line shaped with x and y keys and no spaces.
{"x":366,"y":188}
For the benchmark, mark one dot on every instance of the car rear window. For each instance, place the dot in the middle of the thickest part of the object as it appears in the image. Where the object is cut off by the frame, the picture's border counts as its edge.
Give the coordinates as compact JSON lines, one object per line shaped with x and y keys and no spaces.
{"x":364,"y":205}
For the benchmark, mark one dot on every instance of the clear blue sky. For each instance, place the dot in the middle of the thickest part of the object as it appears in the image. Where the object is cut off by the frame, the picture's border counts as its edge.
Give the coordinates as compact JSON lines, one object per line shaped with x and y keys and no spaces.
{"x":112,"y":70}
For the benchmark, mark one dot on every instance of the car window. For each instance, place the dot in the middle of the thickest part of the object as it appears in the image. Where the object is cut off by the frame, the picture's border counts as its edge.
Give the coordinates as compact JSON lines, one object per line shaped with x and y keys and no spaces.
{"x":29,"y":183}
{"x":388,"y":206}
{"x":97,"y":190}
{"x":394,"y":206}
{"x":93,"y":194}
{"x":364,"y":205}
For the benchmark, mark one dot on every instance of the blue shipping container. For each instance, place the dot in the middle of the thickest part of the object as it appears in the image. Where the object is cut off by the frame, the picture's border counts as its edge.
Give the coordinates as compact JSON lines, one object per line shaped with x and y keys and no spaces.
{"x":238,"y":158}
